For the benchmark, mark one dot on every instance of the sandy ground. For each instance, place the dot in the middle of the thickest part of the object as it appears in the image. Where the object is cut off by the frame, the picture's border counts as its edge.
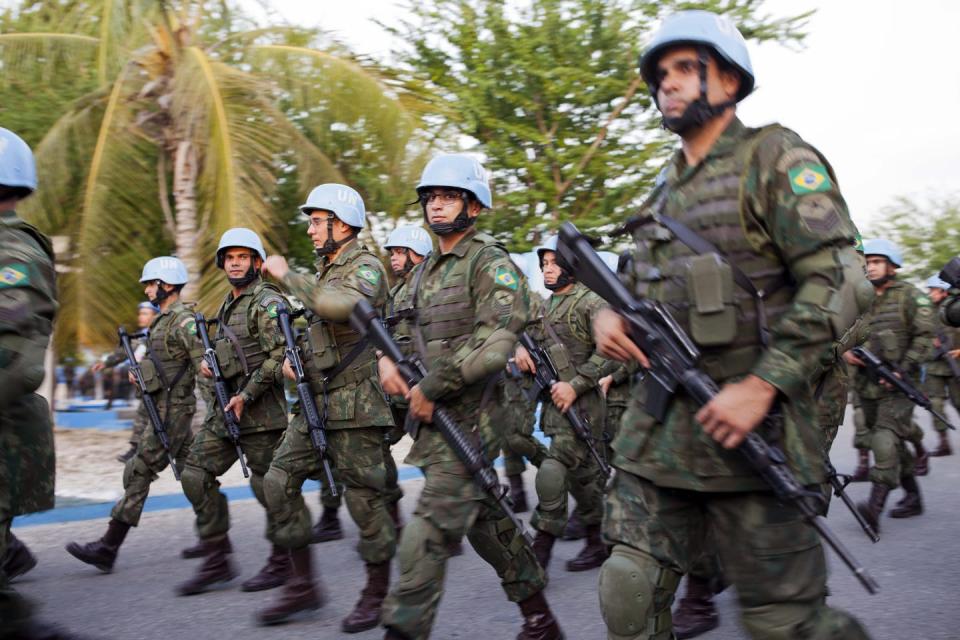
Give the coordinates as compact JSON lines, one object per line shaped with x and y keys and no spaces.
{"x":87,"y":469}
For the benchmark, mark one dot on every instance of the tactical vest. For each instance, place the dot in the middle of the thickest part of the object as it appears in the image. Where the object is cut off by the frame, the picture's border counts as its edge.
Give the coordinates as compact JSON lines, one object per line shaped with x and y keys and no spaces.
{"x":889,"y":335}
{"x":330,"y":343}
{"x":574,"y":349}
{"x":238,"y":347}
{"x":169,"y":359}
{"x":699,"y":290}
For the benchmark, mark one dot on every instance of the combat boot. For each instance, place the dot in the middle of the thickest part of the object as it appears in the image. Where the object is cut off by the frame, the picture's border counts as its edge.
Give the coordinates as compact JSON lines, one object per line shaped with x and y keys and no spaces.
{"x":217,"y":568}
{"x":696,"y":614}
{"x":366,"y":615}
{"x":873,"y":507}
{"x":593,"y":554}
{"x":921,"y":464}
{"x":102,"y":553}
{"x":862,"y":472}
{"x":299,"y":594}
{"x":199,"y":550}
{"x":328,"y":527}
{"x":538,"y":620}
{"x":944,"y":448}
{"x":543,"y":547}
{"x":274,"y":574}
{"x":17,"y":560}
{"x":517,"y":494}
{"x":912,"y":503}
{"x":575,"y":529}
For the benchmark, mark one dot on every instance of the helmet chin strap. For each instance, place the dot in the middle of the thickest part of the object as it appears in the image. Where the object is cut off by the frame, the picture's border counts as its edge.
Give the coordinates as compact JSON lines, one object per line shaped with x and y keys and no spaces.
{"x":461,"y":223}
{"x":241,"y":282}
{"x":162,"y":294}
{"x":879,"y":282}
{"x":700,"y":110}
{"x":330,"y":246}
{"x":407,"y":266}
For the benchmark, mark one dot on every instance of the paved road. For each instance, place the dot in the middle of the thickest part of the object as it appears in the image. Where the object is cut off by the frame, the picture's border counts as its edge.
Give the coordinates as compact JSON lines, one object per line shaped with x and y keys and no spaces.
{"x":917,"y":564}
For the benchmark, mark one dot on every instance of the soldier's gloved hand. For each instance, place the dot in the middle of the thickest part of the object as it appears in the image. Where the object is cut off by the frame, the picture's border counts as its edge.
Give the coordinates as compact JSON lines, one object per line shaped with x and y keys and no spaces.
{"x":524,"y":361}
{"x":390,"y":379}
{"x":420,"y":407}
{"x":737,"y":410}
{"x":563,"y":395}
{"x":605,"y":383}
{"x":613,"y":341}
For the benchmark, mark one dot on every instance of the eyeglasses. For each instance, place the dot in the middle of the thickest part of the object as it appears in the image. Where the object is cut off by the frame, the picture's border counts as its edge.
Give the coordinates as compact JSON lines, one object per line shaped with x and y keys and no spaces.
{"x":316,"y":222}
{"x":444,"y":197}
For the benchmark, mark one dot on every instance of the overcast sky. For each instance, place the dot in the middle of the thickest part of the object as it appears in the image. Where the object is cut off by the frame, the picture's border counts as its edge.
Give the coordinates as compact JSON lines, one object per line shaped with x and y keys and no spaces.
{"x":876,"y":89}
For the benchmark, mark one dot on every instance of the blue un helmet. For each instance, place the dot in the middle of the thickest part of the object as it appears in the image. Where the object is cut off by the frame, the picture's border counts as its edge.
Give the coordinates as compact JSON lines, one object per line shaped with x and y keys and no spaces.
{"x":936,"y":282}
{"x":455,"y":171}
{"x":565,"y":277}
{"x":148,"y":305}
{"x":165,"y":269}
{"x":409,"y":237}
{"x":550,"y":244}
{"x":18,"y":170}
{"x":709,"y":33}
{"x":342,"y":201}
{"x":239,"y":237}
{"x":883,"y":247}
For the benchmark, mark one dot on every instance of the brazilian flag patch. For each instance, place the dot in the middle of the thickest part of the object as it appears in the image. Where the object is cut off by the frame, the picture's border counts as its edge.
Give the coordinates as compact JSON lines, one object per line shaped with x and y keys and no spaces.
{"x":14,"y":275}
{"x":809,"y":177}
{"x":272,"y":310}
{"x":368,"y":274}
{"x":923,"y":301}
{"x":506,"y":278}
{"x":190,"y":325}
{"x":858,"y":245}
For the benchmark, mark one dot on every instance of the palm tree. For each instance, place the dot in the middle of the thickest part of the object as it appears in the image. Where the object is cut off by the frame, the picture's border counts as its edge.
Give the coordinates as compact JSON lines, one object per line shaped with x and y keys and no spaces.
{"x":198,"y":122}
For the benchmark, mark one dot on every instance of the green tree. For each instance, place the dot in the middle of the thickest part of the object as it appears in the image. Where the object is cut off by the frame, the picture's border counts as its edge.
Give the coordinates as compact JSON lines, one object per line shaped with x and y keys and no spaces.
{"x":197,"y":121}
{"x":927,"y":232}
{"x":550,"y":92}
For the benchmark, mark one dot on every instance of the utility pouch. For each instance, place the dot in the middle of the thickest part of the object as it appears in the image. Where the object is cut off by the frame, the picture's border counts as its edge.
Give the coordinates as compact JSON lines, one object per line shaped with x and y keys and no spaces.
{"x":713,"y":317}
{"x":323,"y":348}
{"x":227,"y":357}
{"x":889,"y":345}
{"x":151,"y":377}
{"x":561,"y":360}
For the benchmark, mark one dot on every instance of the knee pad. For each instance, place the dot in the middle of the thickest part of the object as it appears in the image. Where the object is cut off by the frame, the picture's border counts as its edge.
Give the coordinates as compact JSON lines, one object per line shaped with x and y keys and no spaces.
{"x":551,"y":484}
{"x":194,"y":483}
{"x":635,"y":595}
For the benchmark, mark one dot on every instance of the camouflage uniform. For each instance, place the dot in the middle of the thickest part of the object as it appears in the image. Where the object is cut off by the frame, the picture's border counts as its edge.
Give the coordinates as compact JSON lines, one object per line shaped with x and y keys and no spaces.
{"x":940,"y":382}
{"x":28,"y":301}
{"x":358,"y":416}
{"x":250,"y":351}
{"x":569,"y":463}
{"x":768,"y":201}
{"x":140,"y":418}
{"x":170,"y":373}
{"x":902,"y":324}
{"x":468,"y":312}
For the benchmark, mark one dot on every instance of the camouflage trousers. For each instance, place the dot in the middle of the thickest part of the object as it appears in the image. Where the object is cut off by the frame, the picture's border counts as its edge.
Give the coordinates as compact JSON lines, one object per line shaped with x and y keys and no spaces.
{"x":211,"y":455}
{"x":357,"y":456}
{"x":772,"y":557}
{"x":393,"y":492}
{"x":615,"y":413}
{"x":519,"y":443}
{"x":151,"y":458}
{"x":568,"y":467}
{"x":939,"y":389}
{"x":890,"y":419}
{"x":140,"y":422}
{"x":450,"y":506}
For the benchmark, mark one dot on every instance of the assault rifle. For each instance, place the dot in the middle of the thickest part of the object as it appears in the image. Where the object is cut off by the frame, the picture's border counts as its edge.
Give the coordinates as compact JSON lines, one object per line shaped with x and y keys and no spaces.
{"x":839,"y":482}
{"x":544,"y":378}
{"x":881,"y":370}
{"x":159,"y":428}
{"x":220,"y":391}
{"x":316,"y":422}
{"x":366,"y":322}
{"x":673,"y":367}
{"x":943,"y":351}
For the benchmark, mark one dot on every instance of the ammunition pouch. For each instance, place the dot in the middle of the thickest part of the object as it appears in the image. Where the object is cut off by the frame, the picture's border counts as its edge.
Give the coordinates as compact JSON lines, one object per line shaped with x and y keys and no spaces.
{"x":230,"y":364}
{"x":151,"y":376}
{"x":323,"y":346}
{"x":713,"y":317}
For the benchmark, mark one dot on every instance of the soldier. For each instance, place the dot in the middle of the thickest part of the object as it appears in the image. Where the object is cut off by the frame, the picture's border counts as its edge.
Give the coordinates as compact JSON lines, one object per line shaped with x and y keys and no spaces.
{"x":146,"y":312}
{"x":564,"y":330}
{"x":941,"y":379}
{"x":250,"y":348}
{"x":463,"y":312}
{"x":902,"y":326}
{"x":28,"y":299}
{"x":342,"y":371}
{"x":169,"y":371}
{"x":737,"y":211}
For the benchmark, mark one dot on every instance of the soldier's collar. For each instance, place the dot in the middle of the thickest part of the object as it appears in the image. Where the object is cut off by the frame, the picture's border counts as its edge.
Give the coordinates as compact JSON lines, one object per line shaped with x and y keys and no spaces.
{"x":460,"y":249}
{"x":247,"y":290}
{"x":349,"y":249}
{"x":725,"y":144}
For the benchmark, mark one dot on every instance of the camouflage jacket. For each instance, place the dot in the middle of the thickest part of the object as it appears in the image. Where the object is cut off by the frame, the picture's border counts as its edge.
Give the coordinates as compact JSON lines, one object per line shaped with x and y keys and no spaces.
{"x":173,"y":358}
{"x":950,"y":336}
{"x":353,"y":398}
{"x":465,"y":308}
{"x":247,"y":326}
{"x":28,"y":304}
{"x":770,"y":205}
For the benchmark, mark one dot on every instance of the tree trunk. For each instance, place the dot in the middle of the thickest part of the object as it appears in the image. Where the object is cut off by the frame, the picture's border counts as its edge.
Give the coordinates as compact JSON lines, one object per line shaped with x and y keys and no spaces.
{"x":185,"y":207}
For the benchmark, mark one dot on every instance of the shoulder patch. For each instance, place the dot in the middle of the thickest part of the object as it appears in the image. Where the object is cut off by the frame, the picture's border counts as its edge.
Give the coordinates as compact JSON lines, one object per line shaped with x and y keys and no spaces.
{"x":818,"y":212}
{"x":923,"y":301}
{"x":809,"y":177}
{"x":858,"y":244}
{"x":796,"y":156}
{"x":505,"y":277}
{"x":190,"y":325}
{"x":14,"y":275}
{"x":369,"y":274}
